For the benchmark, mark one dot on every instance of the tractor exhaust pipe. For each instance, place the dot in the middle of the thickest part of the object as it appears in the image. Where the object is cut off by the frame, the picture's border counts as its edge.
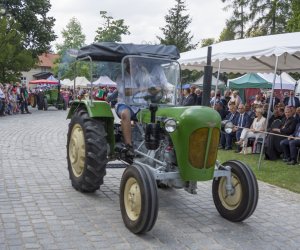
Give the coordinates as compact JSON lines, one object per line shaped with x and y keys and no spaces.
{"x":207,"y":80}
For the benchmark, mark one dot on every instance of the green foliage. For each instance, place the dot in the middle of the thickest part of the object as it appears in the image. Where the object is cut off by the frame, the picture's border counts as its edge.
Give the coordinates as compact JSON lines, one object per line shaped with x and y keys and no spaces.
{"x":239,"y":17}
{"x":14,"y":58}
{"x":228,"y":32}
{"x":175,"y":32}
{"x":207,"y":41}
{"x":269,"y":17}
{"x":294,"y":22}
{"x":73,"y":39}
{"x":190,"y":76}
{"x":112,"y":30}
{"x":36,"y":26}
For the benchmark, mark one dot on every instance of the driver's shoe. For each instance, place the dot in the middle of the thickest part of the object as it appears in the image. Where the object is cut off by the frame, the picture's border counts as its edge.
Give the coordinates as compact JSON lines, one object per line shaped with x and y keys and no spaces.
{"x":127,"y":153}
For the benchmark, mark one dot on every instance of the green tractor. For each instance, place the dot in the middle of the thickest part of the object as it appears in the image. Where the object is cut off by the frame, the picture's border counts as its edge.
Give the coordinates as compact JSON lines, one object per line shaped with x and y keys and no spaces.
{"x":175,"y":146}
{"x":51,"y":97}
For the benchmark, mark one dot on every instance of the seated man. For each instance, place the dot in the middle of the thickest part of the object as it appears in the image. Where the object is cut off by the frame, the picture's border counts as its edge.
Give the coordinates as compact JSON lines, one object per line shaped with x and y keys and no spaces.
{"x":289,"y":147}
{"x":134,"y":89}
{"x":226,"y":139}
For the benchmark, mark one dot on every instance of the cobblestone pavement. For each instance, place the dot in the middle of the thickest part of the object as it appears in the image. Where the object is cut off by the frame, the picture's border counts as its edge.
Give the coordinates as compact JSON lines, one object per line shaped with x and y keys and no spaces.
{"x":40,"y":210}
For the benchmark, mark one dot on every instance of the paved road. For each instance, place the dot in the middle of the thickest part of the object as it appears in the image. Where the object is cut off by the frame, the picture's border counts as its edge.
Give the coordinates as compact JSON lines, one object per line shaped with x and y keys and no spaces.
{"x":40,"y":210}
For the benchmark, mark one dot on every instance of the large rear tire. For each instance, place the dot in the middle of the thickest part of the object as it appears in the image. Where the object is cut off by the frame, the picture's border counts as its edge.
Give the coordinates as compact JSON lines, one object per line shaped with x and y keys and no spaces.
{"x":242,"y":203}
{"x":86,"y":152}
{"x":45,"y":104}
{"x":138,"y":199}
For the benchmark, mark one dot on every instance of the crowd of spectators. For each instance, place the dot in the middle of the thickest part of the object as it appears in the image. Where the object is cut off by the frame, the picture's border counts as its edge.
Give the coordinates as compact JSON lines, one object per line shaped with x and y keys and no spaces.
{"x":13,"y":99}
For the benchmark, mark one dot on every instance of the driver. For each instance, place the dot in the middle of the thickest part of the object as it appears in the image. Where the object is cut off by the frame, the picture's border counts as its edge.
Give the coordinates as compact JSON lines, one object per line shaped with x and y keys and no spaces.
{"x":137,"y":80}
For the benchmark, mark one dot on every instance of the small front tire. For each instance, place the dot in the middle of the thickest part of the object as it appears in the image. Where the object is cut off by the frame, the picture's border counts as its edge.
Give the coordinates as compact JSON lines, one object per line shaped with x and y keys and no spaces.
{"x":242,"y":203}
{"x":138,"y":199}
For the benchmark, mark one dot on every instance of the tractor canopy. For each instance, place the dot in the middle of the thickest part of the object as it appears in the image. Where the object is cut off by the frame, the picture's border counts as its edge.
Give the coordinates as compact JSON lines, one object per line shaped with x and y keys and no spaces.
{"x":115,"y":52}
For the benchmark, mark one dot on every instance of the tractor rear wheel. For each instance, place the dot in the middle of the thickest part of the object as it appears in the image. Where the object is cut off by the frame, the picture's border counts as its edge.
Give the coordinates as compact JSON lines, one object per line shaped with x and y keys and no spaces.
{"x":239,"y":205}
{"x":86,"y":152}
{"x":45,"y":104}
{"x":138,"y":199}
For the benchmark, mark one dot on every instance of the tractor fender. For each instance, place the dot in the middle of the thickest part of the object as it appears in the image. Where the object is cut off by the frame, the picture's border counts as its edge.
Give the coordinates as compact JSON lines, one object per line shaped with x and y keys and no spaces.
{"x":97,"y":109}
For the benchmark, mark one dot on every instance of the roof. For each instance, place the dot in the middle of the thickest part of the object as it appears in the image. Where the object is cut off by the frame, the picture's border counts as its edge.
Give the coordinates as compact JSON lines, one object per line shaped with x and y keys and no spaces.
{"x":47,"y":60}
{"x":111,"y":51}
{"x":255,"y":54}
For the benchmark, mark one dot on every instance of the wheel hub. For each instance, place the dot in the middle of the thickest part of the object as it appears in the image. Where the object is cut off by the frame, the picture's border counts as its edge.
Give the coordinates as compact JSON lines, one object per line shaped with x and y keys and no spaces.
{"x":132,"y":199}
{"x":77,"y":150}
{"x":231,"y":201}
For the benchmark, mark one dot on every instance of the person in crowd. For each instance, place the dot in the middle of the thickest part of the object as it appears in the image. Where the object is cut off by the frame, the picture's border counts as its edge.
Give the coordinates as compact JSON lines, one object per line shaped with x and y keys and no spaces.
{"x":249,"y":112}
{"x":298,"y":111}
{"x":220,"y":109}
{"x":266,"y":109}
{"x":285,"y":127}
{"x":199,"y":96}
{"x":226,"y":139}
{"x":289,"y":147}
{"x":227,"y":97}
{"x":291,"y":100}
{"x":243,"y":122}
{"x":193,"y":94}
{"x":257,"y":101}
{"x":235,"y":99}
{"x":2,"y":101}
{"x":275,"y":100}
{"x":23,"y":99}
{"x":257,"y":127}
{"x":278,"y":114}
{"x":189,"y":99}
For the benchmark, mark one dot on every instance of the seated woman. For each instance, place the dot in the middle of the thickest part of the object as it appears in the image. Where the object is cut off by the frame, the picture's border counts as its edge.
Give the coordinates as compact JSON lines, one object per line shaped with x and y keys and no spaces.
{"x":258,"y":125}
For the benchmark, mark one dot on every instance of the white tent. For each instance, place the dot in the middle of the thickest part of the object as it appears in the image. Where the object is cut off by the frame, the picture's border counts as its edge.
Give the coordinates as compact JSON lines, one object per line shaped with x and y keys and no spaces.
{"x":66,"y":82}
{"x":257,"y":54}
{"x":105,"y":81}
{"x":81,"y":81}
{"x":283,"y":81}
{"x":214,"y":81}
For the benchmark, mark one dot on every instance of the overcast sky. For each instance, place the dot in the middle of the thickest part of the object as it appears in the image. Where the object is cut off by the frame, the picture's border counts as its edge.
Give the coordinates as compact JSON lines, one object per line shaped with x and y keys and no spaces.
{"x":144,"y":17}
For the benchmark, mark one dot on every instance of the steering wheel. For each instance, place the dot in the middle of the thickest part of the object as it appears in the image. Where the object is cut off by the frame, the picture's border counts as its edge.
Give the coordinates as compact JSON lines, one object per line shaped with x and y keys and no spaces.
{"x":153,"y":95}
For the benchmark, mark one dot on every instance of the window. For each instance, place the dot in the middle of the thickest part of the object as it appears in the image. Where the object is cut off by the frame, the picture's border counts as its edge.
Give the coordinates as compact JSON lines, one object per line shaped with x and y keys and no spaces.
{"x":23,"y":79}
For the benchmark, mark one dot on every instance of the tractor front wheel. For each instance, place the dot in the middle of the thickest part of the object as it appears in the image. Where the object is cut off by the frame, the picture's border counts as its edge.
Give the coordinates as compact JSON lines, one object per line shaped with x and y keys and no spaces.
{"x":45,"y":104}
{"x":138,"y":199}
{"x":86,"y":152}
{"x":241,"y":203}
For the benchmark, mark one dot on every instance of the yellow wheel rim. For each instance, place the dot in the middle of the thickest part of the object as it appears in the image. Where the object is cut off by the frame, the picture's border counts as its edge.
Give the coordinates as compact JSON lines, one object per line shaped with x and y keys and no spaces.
{"x":132,"y":199}
{"x":77,"y":150}
{"x":232,"y":201}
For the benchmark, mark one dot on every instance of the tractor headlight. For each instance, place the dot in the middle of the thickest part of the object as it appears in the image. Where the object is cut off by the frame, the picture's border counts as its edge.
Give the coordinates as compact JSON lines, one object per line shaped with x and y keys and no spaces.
{"x":170,"y":125}
{"x":227,"y":126}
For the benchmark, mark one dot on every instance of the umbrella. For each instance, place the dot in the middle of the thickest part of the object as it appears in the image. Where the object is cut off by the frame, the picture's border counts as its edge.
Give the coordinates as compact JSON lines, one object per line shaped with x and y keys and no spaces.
{"x":43,"y":81}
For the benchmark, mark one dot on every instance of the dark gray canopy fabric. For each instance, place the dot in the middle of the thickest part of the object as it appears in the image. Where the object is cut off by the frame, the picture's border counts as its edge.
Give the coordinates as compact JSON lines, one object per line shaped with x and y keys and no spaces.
{"x":111,"y":51}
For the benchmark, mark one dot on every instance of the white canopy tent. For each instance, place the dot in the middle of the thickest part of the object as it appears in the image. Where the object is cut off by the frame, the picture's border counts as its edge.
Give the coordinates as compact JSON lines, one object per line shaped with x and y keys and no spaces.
{"x":283,"y":81}
{"x":105,"y":81}
{"x":257,"y":54}
{"x":66,"y":82}
{"x":274,"y":53}
{"x":81,"y":81}
{"x":214,"y":82}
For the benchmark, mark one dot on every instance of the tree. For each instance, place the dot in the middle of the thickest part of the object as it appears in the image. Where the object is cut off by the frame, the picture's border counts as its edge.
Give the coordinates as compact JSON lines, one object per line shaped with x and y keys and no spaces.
{"x":207,"y":41}
{"x":294,"y":22}
{"x":269,"y":16}
{"x":228,"y":32}
{"x":14,"y":58}
{"x":73,"y":40}
{"x":73,"y":37}
{"x":36,"y":26}
{"x":112,"y":30}
{"x":239,"y":16}
{"x":175,"y":32}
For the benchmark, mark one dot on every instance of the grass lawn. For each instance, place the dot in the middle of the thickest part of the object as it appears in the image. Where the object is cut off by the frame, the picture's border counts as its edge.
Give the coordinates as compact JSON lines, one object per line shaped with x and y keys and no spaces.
{"x":274,"y":172}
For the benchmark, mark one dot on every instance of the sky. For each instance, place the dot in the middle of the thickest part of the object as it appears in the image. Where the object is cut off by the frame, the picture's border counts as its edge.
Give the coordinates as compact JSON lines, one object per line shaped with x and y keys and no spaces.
{"x":144,"y":17}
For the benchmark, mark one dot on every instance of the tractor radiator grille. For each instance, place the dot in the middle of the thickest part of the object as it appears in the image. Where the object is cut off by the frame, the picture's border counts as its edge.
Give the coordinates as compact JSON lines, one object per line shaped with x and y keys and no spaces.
{"x":198,"y":145}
